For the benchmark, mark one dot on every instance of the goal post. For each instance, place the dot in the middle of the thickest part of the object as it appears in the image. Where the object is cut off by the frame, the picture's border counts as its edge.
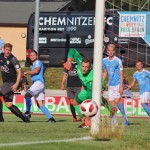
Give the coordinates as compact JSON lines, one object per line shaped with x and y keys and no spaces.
{"x":97,"y":63}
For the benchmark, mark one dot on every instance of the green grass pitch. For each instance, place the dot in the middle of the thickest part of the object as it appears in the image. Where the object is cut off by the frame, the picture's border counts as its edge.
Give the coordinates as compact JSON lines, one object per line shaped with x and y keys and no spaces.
{"x":64,"y":135}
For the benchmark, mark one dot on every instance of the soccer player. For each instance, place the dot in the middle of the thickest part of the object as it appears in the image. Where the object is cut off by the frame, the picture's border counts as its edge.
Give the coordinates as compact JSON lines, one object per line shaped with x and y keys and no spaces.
{"x":11,"y":76}
{"x":37,"y":88}
{"x":73,"y":86}
{"x":85,"y":73}
{"x":112,"y":66}
{"x":142,"y":76}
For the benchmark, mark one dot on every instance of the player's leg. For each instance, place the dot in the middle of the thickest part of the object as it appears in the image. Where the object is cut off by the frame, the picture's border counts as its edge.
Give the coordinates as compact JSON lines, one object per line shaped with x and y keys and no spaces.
{"x":8,"y":98}
{"x":35,"y":89}
{"x":1,"y":111}
{"x":83,"y":95}
{"x":111,"y":109}
{"x":144,"y":102}
{"x":44,"y":109}
{"x":28,"y":97}
{"x":78,"y":100}
{"x":71,"y":97}
{"x":1,"y":107}
{"x":120,"y":105}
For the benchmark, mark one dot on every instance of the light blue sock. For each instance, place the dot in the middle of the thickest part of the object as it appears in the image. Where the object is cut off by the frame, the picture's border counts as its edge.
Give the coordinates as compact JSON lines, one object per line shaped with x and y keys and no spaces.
{"x":114,"y":120}
{"x":121,"y":108}
{"x":45,"y":111}
{"x":146,"y":108}
{"x":28,"y":104}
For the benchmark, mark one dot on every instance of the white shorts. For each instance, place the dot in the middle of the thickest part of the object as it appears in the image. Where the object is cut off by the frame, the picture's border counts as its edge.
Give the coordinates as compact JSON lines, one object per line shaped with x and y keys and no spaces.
{"x":113,"y":92}
{"x":37,"y":90}
{"x":144,"y":97}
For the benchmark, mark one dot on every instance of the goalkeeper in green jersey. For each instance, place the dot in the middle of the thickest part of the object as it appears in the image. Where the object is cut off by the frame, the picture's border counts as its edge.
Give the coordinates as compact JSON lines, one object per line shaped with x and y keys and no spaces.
{"x":85,"y":73}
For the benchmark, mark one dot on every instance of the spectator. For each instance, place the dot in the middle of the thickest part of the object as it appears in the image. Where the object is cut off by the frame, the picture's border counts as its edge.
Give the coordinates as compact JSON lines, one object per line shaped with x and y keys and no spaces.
{"x":126,"y":92}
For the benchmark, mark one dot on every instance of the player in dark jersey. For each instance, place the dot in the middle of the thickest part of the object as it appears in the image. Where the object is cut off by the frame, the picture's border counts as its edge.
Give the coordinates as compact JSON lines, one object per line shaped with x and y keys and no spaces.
{"x":11,"y":76}
{"x":73,"y":86}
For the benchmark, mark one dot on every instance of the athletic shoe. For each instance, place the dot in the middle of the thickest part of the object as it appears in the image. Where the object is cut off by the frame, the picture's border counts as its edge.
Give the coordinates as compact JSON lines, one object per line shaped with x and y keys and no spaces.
{"x":51,"y":120}
{"x":1,"y":119}
{"x":126,"y":123}
{"x":113,"y":111}
{"x":75,"y":120}
{"x":83,"y":125}
{"x":28,"y":114}
{"x":26,"y":119}
{"x":86,"y":123}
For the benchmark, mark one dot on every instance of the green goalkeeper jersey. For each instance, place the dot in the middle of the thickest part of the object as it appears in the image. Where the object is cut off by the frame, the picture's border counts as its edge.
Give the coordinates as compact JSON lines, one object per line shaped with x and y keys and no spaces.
{"x":86,"y":79}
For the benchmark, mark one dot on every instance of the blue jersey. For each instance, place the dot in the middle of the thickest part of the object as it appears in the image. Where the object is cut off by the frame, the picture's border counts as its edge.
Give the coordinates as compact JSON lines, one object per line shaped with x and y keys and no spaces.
{"x":40,"y":75}
{"x":113,"y":68}
{"x":143,"y":80}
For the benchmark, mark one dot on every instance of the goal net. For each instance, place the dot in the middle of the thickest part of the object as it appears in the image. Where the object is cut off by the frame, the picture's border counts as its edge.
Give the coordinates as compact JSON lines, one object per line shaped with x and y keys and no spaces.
{"x":127,"y":26}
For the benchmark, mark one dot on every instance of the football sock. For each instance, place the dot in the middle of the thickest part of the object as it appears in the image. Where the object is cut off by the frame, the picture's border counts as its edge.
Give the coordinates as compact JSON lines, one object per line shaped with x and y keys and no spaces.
{"x":146,"y":108}
{"x":121,"y":108}
{"x":45,"y":111}
{"x":114,"y":119}
{"x":73,"y":111}
{"x":106,"y":104}
{"x":16,"y":111}
{"x":77,"y":108}
{"x":1,"y":109}
{"x":28,"y":104}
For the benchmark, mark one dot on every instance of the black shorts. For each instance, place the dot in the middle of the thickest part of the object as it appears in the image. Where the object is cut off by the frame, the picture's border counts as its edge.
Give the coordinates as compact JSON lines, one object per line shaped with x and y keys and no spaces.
{"x":72,"y":92}
{"x":6,"y":91}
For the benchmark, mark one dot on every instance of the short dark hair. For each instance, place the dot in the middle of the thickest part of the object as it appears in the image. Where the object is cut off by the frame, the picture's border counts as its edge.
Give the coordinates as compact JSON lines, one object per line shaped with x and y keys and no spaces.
{"x":8,"y":45}
{"x":34,"y":51}
{"x":87,"y":60}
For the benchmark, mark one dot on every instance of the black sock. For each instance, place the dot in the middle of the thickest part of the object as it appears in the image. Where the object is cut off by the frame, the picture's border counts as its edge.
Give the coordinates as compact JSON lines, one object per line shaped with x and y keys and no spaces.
{"x":73,"y":111}
{"x":1,"y":110}
{"x":16,"y":111}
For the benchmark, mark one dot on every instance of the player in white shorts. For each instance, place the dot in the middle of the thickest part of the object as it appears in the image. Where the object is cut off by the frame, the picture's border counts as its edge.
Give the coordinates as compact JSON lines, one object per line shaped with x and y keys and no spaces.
{"x":37,"y":88}
{"x":142,"y":76}
{"x":112,"y":66}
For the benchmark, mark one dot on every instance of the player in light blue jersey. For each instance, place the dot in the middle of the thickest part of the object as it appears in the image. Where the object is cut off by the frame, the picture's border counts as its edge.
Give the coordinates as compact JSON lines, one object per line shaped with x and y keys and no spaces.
{"x":37,"y":90}
{"x":142,"y":76}
{"x":112,"y":66}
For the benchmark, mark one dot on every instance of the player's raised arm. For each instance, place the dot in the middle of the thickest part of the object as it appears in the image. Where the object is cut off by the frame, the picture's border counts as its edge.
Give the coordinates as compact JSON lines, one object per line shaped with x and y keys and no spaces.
{"x":73,"y":55}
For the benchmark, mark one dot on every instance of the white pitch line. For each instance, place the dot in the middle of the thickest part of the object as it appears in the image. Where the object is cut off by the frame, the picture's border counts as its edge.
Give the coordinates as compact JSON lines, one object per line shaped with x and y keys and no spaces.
{"x":43,"y":142}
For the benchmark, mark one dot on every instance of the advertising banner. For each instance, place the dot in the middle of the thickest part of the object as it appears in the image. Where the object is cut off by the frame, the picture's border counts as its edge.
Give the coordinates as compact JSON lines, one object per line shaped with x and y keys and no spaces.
{"x":61,"y":105}
{"x":134,"y":24}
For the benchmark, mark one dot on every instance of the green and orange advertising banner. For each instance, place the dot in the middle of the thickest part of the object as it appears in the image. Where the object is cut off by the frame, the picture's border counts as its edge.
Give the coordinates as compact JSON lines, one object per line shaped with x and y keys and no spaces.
{"x":61,"y":105}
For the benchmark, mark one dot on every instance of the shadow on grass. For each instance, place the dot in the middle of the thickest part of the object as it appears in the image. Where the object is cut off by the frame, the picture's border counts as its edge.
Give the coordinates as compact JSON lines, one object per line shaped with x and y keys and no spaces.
{"x":103,"y":140}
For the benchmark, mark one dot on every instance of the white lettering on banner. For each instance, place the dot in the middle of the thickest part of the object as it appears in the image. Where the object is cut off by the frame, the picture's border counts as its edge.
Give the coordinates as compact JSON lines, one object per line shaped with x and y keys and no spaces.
{"x":34,"y":104}
{"x":108,"y":20}
{"x":75,"y":40}
{"x":130,"y":106}
{"x":140,"y":112}
{"x":71,"y":20}
{"x":52,"y":103}
{"x":62,"y":105}
{"x":42,"y":40}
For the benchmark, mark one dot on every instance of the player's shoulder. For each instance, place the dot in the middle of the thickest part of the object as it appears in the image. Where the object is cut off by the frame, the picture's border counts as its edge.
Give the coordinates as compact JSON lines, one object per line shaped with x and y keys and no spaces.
{"x":117,"y":58}
{"x":105,"y":59}
{"x":144,"y":70}
{"x":38,"y":63}
{"x":135,"y":73}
